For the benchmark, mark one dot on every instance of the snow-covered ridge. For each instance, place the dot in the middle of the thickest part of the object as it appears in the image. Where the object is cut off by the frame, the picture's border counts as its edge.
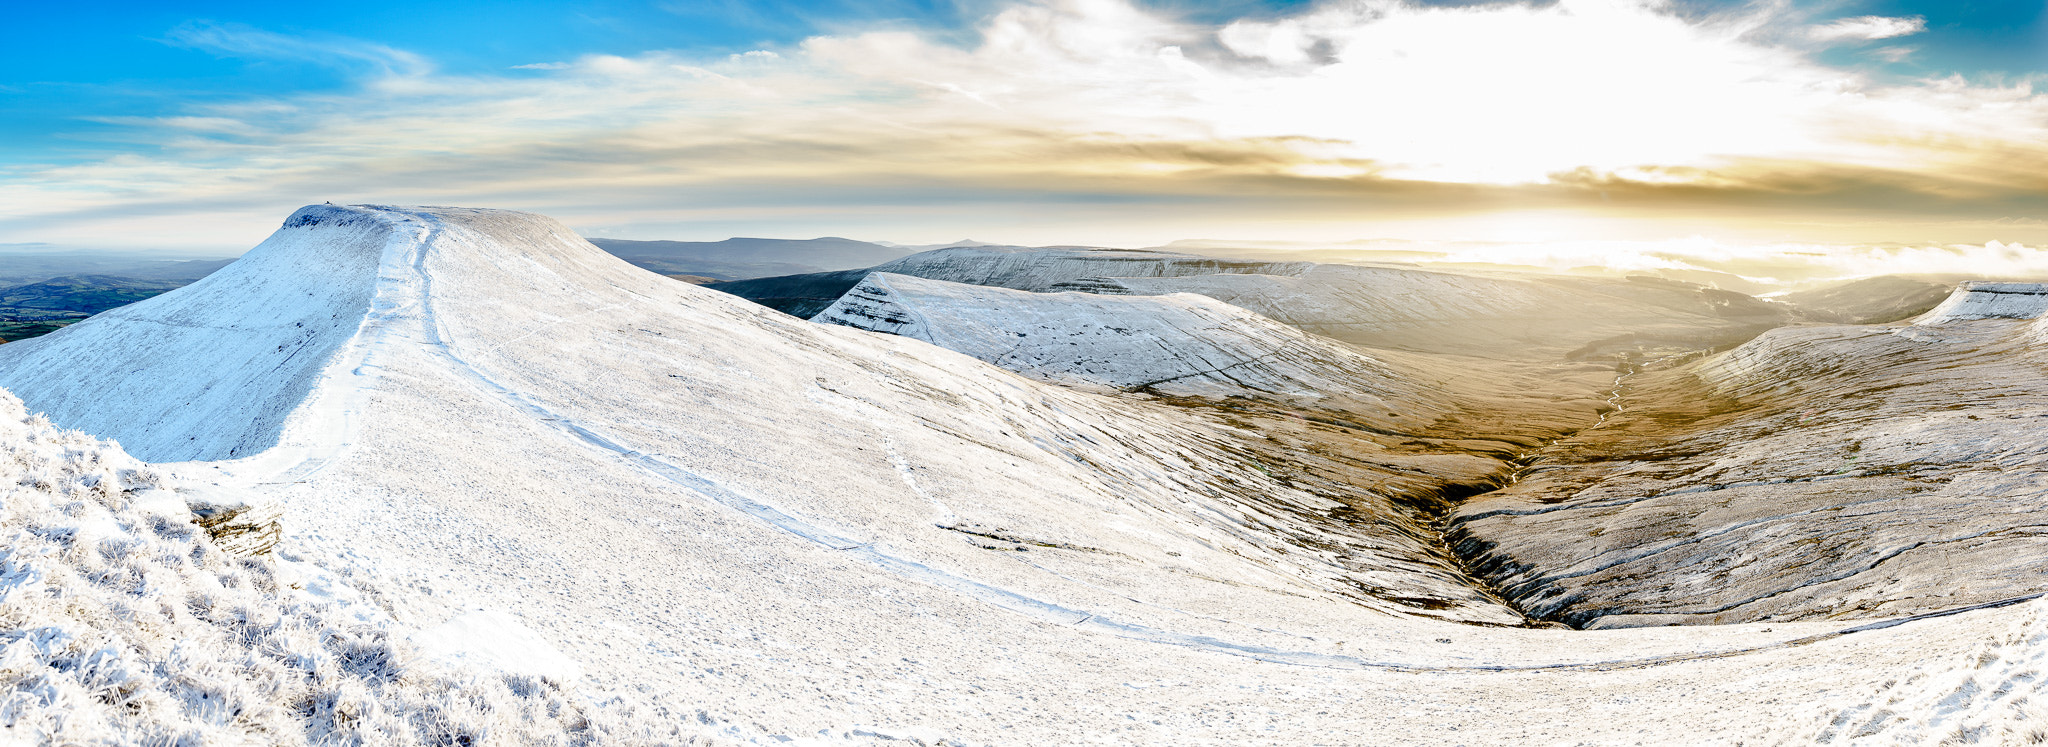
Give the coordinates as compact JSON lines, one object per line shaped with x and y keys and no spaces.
{"x":1044,"y":269}
{"x":1989,"y":300}
{"x":1442,"y":312}
{"x":1181,"y":344}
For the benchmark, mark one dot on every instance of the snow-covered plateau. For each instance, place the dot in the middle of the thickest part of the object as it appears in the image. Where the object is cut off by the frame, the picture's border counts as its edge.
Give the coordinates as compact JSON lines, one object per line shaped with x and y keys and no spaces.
{"x":558,"y":499}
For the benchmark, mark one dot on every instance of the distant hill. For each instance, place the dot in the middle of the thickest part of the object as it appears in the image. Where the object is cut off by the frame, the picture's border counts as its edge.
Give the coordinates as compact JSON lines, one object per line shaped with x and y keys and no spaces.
{"x":22,"y":268}
{"x":89,"y":294}
{"x":746,"y":258}
{"x":40,"y":308}
{"x":1885,"y":298}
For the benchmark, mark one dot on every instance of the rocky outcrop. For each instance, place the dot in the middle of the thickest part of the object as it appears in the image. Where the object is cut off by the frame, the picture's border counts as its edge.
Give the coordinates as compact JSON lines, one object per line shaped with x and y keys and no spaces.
{"x":240,"y":523}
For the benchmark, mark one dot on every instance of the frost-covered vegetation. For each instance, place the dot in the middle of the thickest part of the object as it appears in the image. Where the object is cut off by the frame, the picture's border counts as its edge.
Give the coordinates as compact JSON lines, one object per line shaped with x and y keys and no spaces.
{"x":121,"y":623}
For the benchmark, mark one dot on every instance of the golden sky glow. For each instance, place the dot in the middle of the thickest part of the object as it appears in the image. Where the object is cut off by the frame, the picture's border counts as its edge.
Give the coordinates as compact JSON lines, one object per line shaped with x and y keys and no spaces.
{"x":1096,"y":121}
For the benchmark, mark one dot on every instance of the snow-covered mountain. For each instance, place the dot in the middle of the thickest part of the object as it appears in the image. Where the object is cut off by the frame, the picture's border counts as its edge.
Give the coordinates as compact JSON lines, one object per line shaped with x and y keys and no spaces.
{"x":1497,"y":316}
{"x":1814,"y":473}
{"x":1022,"y":268}
{"x":1047,"y":268}
{"x":773,"y":530}
{"x":1989,"y":300}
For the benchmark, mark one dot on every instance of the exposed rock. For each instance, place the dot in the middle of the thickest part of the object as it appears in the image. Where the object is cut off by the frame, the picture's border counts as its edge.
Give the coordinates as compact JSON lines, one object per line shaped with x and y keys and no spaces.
{"x":241,"y":523}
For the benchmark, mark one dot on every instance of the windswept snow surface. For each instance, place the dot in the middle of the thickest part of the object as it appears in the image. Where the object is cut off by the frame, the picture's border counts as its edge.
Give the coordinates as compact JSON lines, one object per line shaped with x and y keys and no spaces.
{"x":801,"y":531}
{"x":1181,"y":344}
{"x":120,"y":623}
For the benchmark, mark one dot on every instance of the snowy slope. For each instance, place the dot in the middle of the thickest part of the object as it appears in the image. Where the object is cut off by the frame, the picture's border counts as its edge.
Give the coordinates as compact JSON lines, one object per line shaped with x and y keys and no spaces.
{"x":272,"y":320}
{"x":1813,"y":473}
{"x":1047,"y":268}
{"x":1182,"y":344}
{"x":120,"y":623}
{"x":1037,"y":269}
{"x":791,"y":531}
{"x":1989,"y":300}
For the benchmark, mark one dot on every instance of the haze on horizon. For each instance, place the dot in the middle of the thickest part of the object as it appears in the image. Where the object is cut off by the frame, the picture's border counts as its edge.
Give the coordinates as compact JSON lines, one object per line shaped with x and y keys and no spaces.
{"x":1560,"y":132}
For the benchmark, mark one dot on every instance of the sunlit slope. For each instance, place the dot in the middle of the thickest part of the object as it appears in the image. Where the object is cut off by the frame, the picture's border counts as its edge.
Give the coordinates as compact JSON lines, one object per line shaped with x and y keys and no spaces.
{"x":1814,"y":473}
{"x":782,"y":530}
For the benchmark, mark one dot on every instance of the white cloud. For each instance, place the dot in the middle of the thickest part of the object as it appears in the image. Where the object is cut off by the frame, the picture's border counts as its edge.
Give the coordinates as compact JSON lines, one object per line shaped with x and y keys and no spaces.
{"x":1056,"y":98}
{"x":543,"y":66}
{"x":1867,"y":28}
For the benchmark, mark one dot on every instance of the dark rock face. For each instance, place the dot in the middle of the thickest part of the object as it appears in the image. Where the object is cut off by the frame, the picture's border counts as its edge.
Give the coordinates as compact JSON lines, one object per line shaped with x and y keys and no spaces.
{"x":1814,"y":473}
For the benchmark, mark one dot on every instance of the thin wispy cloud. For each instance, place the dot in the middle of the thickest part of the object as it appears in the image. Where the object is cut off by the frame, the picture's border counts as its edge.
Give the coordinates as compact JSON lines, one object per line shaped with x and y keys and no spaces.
{"x":236,"y":40}
{"x":1868,"y":28}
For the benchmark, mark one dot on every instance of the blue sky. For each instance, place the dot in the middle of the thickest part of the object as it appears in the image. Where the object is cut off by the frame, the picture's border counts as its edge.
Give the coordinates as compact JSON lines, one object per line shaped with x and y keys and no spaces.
{"x":157,"y":107}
